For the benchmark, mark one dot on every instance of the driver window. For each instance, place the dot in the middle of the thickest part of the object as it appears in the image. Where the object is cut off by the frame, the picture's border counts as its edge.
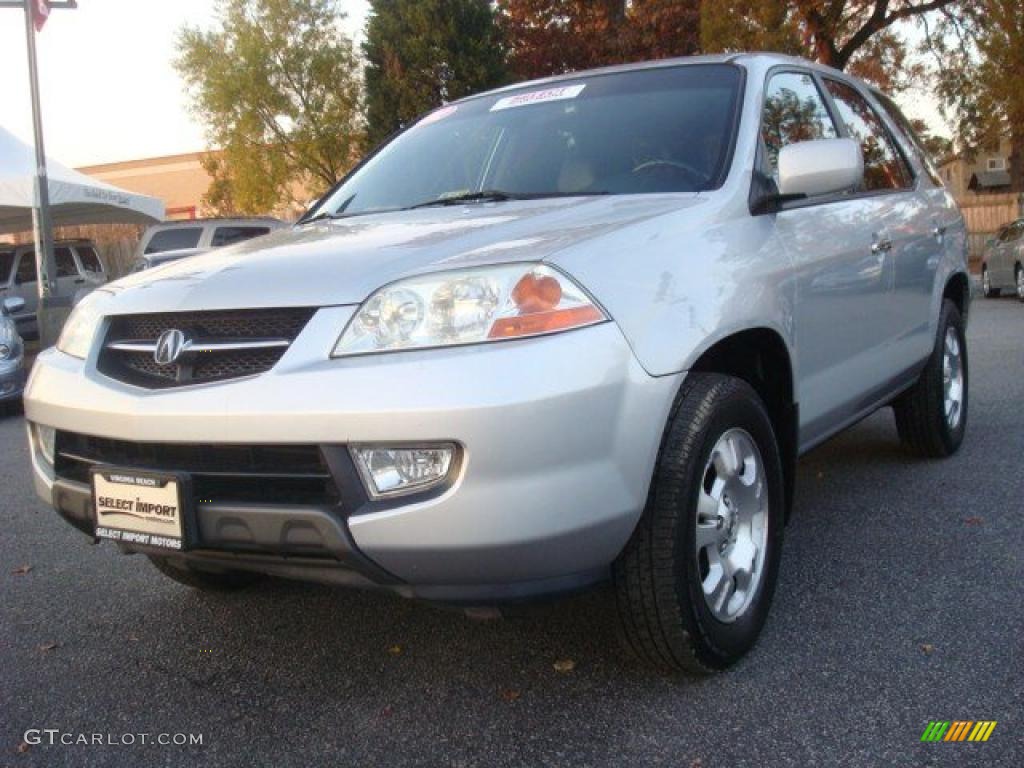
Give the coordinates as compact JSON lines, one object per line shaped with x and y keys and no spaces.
{"x":27,"y":268}
{"x":794,"y":111}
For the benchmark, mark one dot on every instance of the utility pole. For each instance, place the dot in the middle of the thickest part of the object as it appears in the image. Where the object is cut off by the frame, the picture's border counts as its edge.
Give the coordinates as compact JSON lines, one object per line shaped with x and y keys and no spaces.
{"x":52,"y":309}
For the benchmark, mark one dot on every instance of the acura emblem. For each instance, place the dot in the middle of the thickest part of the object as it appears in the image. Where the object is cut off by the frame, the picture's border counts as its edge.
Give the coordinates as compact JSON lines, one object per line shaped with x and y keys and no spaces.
{"x":169,"y":347}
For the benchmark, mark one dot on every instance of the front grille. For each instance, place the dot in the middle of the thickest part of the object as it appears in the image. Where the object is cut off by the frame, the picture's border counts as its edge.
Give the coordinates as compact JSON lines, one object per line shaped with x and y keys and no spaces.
{"x":271,"y":474}
{"x":220,"y":345}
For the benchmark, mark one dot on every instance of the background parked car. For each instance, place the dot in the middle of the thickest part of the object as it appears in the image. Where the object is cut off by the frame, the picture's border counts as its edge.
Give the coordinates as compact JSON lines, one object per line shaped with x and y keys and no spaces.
{"x":12,"y":355}
{"x":1002,"y":263}
{"x":150,"y":260}
{"x":79,"y":271}
{"x":199,"y":235}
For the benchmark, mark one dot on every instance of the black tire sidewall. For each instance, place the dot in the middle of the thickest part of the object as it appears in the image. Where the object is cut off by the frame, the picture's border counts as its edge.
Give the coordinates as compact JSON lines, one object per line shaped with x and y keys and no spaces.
{"x":726,"y":642}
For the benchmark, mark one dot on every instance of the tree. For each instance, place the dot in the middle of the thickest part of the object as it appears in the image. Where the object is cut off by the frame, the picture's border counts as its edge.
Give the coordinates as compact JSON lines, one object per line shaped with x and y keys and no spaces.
{"x":979,"y":49}
{"x":277,"y":85}
{"x":856,"y":35}
{"x":423,"y":53}
{"x":548,"y":37}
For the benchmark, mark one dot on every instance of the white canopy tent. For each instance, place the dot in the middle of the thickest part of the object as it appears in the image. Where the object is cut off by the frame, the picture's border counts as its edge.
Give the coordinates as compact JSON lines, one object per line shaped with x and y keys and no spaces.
{"x":74,"y":197}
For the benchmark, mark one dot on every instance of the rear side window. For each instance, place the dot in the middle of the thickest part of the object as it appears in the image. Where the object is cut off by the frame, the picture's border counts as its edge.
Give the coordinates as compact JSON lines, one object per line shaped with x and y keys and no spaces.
{"x":65,"y":262}
{"x":1015,"y":232}
{"x":174,"y":239}
{"x":884,"y":166}
{"x":228,"y":235}
{"x":926,"y":160}
{"x":90,"y":261}
{"x":6,"y":262}
{"x":794,"y":111}
{"x":27,"y":267}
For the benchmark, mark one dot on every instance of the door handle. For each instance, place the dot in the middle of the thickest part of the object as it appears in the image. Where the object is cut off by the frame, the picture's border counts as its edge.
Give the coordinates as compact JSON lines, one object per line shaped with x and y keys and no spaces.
{"x":79,"y":281}
{"x":883,"y":245}
{"x":939,"y":230}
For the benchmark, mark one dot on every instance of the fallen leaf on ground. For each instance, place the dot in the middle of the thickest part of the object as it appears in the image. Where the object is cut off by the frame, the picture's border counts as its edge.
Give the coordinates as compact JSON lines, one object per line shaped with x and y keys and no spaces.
{"x":48,"y":646}
{"x":927,"y":647}
{"x":696,"y":763}
{"x":21,"y":570}
{"x":564,"y":665}
{"x":386,"y":712}
{"x":394,"y":650}
{"x":510,"y":695}
{"x":974,"y":520}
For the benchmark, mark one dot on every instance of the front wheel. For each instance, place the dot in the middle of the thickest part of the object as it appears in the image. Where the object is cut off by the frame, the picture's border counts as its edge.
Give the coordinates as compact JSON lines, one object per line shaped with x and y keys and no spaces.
{"x":931,"y":417}
{"x":696,"y":579}
{"x":1019,"y":275}
{"x":986,"y":284}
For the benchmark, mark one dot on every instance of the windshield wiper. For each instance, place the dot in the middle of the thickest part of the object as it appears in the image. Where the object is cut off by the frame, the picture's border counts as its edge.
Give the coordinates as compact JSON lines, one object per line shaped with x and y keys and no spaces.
{"x":485,"y":195}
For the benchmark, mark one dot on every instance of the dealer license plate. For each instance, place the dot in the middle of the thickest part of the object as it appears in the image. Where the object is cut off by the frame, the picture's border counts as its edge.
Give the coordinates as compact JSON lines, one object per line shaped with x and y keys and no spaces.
{"x":142,"y":508}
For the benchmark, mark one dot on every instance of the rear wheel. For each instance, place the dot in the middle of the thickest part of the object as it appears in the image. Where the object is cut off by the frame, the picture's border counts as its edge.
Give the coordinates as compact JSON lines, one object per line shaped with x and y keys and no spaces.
{"x":1019,"y":275}
{"x":986,"y":284}
{"x":931,"y":417}
{"x":220,"y":580}
{"x":695,"y":582}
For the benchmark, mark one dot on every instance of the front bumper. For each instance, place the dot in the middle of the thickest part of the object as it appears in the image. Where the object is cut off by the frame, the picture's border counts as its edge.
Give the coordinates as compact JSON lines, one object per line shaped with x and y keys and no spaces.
{"x":559,"y":436}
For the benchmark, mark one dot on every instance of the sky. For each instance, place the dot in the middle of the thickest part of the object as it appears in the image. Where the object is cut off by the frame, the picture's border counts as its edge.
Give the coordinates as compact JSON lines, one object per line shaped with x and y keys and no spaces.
{"x":109,"y":92}
{"x":108,"y":89}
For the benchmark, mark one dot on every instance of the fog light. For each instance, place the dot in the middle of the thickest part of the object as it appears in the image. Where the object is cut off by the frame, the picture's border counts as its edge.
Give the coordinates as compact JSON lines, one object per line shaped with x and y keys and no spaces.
{"x":46,"y":438}
{"x":389,"y":470}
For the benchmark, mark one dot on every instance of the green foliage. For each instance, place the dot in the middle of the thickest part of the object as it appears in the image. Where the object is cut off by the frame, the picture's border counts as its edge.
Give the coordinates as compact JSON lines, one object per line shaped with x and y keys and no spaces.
{"x":423,"y":53}
{"x":276,"y":84}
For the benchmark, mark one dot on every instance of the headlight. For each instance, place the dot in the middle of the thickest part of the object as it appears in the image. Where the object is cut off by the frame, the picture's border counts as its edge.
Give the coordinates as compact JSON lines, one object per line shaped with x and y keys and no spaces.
{"x":468,"y":307}
{"x":80,"y":328}
{"x":5,"y":351}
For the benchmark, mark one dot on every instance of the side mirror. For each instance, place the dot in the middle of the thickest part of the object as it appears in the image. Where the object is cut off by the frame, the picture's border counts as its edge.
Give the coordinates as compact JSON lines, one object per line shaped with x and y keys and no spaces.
{"x":821,"y":167}
{"x":13,"y":305}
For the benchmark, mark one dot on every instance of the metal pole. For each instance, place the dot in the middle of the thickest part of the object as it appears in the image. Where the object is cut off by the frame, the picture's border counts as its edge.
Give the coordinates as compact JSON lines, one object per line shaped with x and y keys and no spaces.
{"x":49,"y":315}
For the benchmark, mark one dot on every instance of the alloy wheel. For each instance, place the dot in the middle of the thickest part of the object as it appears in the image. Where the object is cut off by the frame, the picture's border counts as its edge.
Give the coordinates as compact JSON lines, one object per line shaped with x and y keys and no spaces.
{"x":952,"y":378}
{"x":732,"y":525}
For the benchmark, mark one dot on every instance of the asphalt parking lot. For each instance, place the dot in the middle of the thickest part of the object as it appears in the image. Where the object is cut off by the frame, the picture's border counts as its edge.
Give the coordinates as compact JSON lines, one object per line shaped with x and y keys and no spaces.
{"x":901,"y":601}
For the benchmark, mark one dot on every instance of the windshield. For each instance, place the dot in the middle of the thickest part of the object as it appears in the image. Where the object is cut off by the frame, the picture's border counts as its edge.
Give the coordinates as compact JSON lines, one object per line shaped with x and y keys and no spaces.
{"x":654,"y":130}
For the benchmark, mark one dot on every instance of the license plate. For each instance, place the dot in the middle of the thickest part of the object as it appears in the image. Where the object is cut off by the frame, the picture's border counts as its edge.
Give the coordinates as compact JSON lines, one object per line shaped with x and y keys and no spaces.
{"x":142,"y":508}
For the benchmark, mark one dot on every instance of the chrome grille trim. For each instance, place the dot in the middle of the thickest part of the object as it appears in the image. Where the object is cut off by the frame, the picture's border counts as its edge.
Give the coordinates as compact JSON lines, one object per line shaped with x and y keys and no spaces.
{"x":219,"y":345}
{"x":193,"y":346}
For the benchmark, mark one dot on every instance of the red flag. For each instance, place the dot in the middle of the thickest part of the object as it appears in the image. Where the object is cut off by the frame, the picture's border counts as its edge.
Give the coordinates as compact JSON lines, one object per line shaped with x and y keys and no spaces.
{"x":40,"y":13}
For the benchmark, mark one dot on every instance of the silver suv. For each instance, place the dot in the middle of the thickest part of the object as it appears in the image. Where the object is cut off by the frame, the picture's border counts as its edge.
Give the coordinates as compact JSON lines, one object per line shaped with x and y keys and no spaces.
{"x":564,"y":332}
{"x":173,"y":240}
{"x":79,"y":270}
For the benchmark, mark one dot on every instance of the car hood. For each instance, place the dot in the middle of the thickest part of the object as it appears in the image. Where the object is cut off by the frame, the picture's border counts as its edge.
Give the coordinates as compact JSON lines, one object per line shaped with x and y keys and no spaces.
{"x":343,"y":261}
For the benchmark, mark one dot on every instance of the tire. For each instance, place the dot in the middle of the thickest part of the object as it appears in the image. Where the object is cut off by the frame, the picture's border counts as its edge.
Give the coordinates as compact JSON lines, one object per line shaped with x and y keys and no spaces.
{"x":1019,"y":280}
{"x":664,"y":617}
{"x":925,"y":424}
{"x":986,"y":285}
{"x":205,"y":580}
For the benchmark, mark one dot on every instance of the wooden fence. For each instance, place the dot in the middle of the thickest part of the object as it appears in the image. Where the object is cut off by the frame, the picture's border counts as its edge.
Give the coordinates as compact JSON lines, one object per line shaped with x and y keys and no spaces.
{"x":985,"y":214}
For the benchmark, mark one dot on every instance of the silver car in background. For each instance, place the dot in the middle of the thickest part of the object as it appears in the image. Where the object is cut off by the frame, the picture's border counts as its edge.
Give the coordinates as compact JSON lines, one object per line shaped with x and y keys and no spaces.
{"x":171,"y":240}
{"x":79,"y":271}
{"x":12,"y":354}
{"x":1002,"y":263}
{"x":570,"y":331}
